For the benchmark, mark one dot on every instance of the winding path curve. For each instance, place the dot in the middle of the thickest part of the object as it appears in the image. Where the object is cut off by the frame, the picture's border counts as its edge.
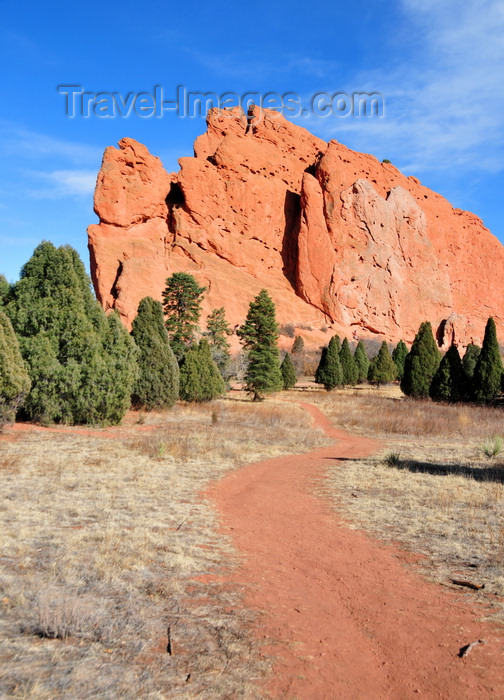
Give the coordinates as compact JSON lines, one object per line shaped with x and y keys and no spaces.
{"x":341,"y":614}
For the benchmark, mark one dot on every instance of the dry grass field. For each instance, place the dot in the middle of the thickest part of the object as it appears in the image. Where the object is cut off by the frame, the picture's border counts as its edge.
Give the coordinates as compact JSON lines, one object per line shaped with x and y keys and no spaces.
{"x":432,"y":488}
{"x":102,"y":539}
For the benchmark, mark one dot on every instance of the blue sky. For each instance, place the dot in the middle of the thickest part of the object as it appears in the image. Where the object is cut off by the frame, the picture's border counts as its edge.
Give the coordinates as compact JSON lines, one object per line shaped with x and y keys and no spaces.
{"x":439,"y":65}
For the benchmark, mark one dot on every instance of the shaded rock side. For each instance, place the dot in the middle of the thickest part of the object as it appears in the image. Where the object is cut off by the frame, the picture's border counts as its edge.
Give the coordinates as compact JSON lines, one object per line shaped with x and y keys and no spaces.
{"x":342,"y":242}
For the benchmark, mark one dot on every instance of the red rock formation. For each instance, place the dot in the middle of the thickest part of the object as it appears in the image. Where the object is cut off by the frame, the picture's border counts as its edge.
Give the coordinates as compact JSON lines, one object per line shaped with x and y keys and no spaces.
{"x":342,"y":242}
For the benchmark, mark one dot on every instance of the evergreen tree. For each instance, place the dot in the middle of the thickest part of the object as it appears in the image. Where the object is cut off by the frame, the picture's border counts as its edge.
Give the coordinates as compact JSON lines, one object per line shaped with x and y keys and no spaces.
{"x":362,"y":362}
{"x":81,"y":364}
{"x":14,"y":380}
{"x":486,"y":381}
{"x":297,"y":345}
{"x":399,"y":356}
{"x":288,"y":372}
{"x":329,"y":372}
{"x":4,"y":290}
{"x":450,"y":381}
{"x":470,"y":359}
{"x":421,"y":363}
{"x":259,"y":335}
{"x":217,"y":332}
{"x":200,"y":379}
{"x":157,"y":384}
{"x":182,"y":308}
{"x":348,"y":365}
{"x":382,"y":369}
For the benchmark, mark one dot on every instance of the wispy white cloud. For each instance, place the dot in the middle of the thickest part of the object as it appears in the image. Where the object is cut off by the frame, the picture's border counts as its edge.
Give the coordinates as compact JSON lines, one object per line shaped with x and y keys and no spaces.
{"x":17,"y":141}
{"x":63,"y":183}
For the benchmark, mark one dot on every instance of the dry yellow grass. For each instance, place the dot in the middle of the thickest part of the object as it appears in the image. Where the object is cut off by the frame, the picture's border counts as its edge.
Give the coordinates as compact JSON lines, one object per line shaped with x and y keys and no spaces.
{"x":101,"y":545}
{"x":443,"y":498}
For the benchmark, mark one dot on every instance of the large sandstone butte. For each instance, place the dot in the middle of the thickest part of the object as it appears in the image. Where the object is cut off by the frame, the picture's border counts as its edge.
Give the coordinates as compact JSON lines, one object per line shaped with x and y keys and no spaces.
{"x":342,"y":242}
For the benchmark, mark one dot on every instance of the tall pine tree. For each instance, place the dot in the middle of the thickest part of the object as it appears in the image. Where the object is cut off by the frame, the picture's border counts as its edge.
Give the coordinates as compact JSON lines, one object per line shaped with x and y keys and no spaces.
{"x":259,"y":335}
{"x":157,"y":384}
{"x":182,"y":308}
{"x":421,"y":363}
{"x":217,"y":333}
{"x":487,"y":377}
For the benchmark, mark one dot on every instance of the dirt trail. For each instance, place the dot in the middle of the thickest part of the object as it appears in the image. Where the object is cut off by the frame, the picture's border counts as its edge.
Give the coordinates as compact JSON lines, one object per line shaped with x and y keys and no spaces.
{"x":341,"y":614}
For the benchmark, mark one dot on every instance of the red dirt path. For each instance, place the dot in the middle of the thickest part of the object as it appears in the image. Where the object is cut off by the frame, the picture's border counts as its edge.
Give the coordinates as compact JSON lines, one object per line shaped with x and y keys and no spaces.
{"x":341,"y":614}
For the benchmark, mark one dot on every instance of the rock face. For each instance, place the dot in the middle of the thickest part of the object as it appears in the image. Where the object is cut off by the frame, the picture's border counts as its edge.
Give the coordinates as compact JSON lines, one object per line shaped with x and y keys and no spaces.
{"x":342,"y":242}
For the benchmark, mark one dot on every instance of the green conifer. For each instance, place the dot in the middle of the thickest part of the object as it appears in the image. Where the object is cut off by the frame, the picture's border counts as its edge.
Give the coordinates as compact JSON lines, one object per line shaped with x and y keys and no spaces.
{"x":200,"y":379}
{"x":217,"y":333}
{"x":362,"y":361}
{"x":450,"y":381}
{"x":486,"y":381}
{"x":81,"y":364}
{"x":14,"y":380}
{"x":157,"y":384}
{"x":288,"y":372}
{"x":421,"y":363}
{"x":470,"y":359}
{"x":329,"y":372}
{"x":4,"y":290}
{"x":348,"y":365}
{"x":182,"y":308}
{"x":259,"y":335}
{"x":399,"y":355}
{"x":382,"y":369}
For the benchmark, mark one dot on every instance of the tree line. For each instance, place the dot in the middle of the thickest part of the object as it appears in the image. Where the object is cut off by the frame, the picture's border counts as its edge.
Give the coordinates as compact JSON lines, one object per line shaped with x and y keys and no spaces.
{"x":63,"y":360}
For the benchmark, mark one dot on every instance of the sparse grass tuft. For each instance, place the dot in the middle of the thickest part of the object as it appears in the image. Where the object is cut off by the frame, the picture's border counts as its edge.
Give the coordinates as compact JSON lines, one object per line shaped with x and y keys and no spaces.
{"x":392,"y":459}
{"x":492,"y":447}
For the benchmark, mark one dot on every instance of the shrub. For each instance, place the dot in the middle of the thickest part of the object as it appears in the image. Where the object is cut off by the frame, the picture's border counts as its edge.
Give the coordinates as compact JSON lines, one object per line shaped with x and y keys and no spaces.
{"x":492,"y":447}
{"x":157,"y":384}
{"x":470,"y":359}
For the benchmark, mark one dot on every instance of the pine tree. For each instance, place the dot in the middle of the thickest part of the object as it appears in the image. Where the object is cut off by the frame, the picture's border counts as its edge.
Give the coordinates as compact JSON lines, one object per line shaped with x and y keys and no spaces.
{"x":288,"y":372}
{"x":450,"y":381}
{"x":470,"y":359}
{"x":157,"y":384}
{"x":259,"y":335}
{"x":14,"y":380}
{"x":81,"y":364}
{"x":217,"y":333}
{"x":399,"y":355}
{"x":362,"y":362}
{"x":486,"y":381}
{"x":200,"y":379}
{"x":382,"y":369}
{"x":421,"y":363}
{"x":350,"y":369}
{"x":182,"y":308}
{"x":329,"y":372}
